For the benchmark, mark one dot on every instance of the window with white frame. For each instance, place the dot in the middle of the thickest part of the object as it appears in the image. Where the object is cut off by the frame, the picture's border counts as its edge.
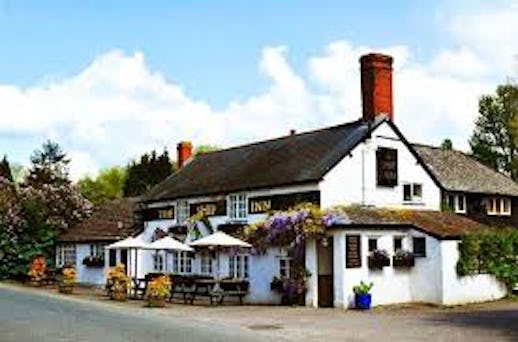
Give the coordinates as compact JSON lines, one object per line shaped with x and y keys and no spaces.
{"x":285,"y":266}
{"x":457,"y":203}
{"x":182,"y":262}
{"x":238,"y":266}
{"x":498,"y":206}
{"x":97,"y":250}
{"x":206,"y":263}
{"x":158,"y":262}
{"x":182,"y":211}
{"x":237,"y":206}
{"x":412,"y":192}
{"x":66,"y":255}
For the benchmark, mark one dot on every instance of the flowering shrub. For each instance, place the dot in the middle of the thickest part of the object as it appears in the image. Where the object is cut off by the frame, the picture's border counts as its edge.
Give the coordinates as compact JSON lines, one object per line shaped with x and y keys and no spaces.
{"x":117,"y":279}
{"x":69,"y":276}
{"x":159,"y":288}
{"x":37,"y":269}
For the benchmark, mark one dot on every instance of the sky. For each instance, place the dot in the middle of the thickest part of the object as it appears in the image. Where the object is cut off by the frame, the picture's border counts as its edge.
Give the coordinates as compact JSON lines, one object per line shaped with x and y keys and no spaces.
{"x":110,"y":80}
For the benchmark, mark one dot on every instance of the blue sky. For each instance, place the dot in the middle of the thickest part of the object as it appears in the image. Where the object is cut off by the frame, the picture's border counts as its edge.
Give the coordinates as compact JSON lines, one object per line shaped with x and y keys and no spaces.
{"x":229,"y":62}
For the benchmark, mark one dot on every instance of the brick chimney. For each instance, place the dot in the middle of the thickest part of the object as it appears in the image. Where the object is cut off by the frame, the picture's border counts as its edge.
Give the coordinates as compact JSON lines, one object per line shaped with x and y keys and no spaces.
{"x":184,"y":149}
{"x":376,"y":79}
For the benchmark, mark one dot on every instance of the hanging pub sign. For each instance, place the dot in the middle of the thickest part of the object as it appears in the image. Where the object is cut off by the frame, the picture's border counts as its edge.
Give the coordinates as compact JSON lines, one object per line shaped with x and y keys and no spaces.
{"x":386,"y":166}
{"x":214,"y":208}
{"x":353,"y":251}
{"x":263,"y":204}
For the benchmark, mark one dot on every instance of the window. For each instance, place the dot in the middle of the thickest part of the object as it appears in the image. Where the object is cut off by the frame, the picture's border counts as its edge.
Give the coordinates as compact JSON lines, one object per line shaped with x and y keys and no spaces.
{"x":398,"y":243}
{"x":158,"y":262}
{"x":498,"y":206}
{"x":457,"y":203}
{"x":66,"y":255}
{"x":285,"y":267}
{"x":182,"y":262}
{"x":206,"y":263}
{"x":97,"y":250}
{"x":182,"y":212}
{"x":373,"y":244}
{"x":237,"y":206}
{"x":124,"y":257}
{"x":419,"y":244}
{"x":238,"y":266}
{"x":412,"y":192}
{"x":112,"y":258}
{"x":386,"y":167}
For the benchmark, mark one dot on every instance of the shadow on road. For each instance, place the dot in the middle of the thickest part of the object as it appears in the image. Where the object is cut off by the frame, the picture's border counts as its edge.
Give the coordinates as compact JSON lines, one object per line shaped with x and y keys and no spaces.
{"x":503,"y":321}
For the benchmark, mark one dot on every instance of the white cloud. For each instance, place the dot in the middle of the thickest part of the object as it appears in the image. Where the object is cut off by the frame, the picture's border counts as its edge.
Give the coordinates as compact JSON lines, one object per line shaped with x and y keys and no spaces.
{"x":117,"y":108}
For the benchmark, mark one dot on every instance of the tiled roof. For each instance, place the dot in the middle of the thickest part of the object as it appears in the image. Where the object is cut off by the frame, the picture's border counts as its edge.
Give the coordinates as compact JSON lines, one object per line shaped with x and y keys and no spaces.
{"x":293,"y":159}
{"x":457,"y":171}
{"x":110,"y":221}
{"x":441,"y":224}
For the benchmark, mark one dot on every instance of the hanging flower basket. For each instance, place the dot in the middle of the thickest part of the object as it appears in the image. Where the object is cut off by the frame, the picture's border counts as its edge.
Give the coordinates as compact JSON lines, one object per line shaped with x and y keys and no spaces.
{"x":378,"y":259}
{"x":93,"y":261}
{"x":403,"y":259}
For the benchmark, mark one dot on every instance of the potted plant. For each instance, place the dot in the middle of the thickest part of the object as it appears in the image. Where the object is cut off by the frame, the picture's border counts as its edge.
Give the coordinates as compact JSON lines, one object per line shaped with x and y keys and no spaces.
{"x":276,"y":284}
{"x":157,"y":291}
{"x":37,"y":271}
{"x":117,"y":283}
{"x":403,"y":258}
{"x":378,"y":259}
{"x":68,"y":280}
{"x":93,"y":261}
{"x":362,"y":296}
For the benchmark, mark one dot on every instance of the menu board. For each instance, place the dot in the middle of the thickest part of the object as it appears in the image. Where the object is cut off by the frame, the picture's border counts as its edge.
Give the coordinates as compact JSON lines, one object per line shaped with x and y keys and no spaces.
{"x":353,"y":251}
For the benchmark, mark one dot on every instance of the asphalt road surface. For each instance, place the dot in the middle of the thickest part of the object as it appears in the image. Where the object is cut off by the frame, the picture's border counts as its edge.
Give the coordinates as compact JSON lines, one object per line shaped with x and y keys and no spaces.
{"x":30,"y":317}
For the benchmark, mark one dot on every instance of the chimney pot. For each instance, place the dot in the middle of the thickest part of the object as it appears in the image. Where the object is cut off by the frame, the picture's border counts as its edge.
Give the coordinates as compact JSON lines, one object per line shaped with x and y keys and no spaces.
{"x":293,"y":132}
{"x":184,"y":149}
{"x":376,"y":83}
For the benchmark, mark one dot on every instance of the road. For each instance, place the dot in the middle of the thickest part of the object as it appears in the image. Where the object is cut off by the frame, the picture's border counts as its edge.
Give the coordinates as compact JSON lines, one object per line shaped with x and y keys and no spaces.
{"x":28,"y":314}
{"x":31,"y":317}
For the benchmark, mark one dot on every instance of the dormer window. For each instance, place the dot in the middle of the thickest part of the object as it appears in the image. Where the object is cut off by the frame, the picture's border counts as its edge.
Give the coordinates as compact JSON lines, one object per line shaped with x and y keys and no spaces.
{"x":457,"y":203}
{"x":498,"y":206}
{"x":237,"y":206}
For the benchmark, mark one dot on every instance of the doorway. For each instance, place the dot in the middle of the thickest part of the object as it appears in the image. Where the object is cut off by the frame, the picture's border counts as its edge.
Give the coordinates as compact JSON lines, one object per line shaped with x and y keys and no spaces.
{"x":325,"y":273}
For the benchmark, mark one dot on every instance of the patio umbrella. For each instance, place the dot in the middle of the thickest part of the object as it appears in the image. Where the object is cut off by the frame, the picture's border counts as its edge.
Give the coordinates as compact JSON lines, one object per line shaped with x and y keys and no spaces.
{"x":169,"y":244}
{"x":217,"y":240}
{"x":131,"y":243}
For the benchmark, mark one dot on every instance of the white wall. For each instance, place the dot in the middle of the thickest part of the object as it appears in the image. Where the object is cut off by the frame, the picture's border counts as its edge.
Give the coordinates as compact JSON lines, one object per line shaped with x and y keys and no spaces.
{"x":461,"y":290}
{"x":353,"y":180}
{"x":89,"y":275}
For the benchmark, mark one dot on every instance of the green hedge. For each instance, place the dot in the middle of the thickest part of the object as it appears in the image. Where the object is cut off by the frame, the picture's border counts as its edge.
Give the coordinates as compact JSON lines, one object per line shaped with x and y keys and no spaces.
{"x":494,"y":252}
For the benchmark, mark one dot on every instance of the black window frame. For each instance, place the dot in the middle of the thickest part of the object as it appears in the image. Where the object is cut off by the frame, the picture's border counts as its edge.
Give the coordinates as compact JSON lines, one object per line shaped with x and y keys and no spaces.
{"x":112,"y":258}
{"x":375,"y":241}
{"x":400,"y":239}
{"x":419,"y":246}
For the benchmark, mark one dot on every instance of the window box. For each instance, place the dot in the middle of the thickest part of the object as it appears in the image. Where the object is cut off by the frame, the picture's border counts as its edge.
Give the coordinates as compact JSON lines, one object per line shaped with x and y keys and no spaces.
{"x":378,"y":259}
{"x":403,"y":259}
{"x":277,"y":284}
{"x":93,"y":261}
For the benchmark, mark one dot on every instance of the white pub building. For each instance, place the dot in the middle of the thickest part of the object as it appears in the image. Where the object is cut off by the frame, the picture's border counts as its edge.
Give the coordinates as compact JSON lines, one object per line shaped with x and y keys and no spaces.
{"x":395,"y":191}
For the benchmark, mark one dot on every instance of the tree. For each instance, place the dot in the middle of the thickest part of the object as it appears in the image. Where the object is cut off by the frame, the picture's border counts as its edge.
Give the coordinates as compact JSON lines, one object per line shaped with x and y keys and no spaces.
{"x":494,"y":140}
{"x":447,"y":144}
{"x":49,"y":165}
{"x":109,"y":184}
{"x":206,"y":148}
{"x":5,"y":169}
{"x":147,"y":172}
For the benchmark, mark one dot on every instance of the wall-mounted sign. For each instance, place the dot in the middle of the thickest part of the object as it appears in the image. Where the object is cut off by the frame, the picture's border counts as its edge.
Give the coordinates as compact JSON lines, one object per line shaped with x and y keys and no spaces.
{"x":162,"y":213}
{"x":215,"y":208}
{"x":353,"y":251}
{"x":263,"y":204}
{"x":386,"y":166}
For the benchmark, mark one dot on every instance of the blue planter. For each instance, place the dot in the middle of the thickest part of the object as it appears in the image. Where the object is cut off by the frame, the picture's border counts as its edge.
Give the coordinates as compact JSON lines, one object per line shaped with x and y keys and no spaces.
{"x":362,"y":301}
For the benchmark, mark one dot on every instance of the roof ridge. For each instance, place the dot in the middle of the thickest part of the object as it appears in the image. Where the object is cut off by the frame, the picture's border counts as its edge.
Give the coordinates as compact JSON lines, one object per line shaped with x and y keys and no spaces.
{"x":281,"y":137}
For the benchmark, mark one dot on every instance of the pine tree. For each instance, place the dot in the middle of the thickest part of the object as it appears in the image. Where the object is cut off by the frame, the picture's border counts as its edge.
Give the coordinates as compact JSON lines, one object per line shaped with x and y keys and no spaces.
{"x":5,"y":169}
{"x":49,"y":166}
{"x":150,"y":170}
{"x":495,"y":139}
